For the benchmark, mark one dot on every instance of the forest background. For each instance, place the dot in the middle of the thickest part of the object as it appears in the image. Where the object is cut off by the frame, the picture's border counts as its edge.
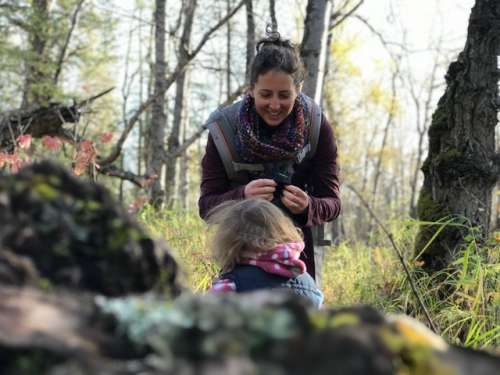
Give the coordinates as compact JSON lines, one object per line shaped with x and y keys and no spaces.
{"x":385,"y":67}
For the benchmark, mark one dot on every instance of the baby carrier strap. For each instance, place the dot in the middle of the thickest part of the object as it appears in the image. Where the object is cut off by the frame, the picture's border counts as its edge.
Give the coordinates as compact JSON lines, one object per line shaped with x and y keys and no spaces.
{"x":222,"y":126}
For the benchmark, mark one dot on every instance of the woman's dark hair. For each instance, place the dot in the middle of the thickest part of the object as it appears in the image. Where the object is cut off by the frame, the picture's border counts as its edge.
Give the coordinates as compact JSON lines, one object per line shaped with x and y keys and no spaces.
{"x":274,"y":53}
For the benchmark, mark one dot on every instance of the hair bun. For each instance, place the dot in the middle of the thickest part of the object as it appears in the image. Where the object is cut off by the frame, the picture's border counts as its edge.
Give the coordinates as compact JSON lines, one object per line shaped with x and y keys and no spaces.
{"x":273,"y":37}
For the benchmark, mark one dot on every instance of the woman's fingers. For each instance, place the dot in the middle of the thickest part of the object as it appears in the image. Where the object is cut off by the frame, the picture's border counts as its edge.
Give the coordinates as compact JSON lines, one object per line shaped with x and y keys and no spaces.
{"x":260,"y":188}
{"x":295,"y":199}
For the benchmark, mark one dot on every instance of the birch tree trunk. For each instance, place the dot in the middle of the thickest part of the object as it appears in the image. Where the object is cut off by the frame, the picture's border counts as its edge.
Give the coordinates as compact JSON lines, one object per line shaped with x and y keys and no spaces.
{"x":313,"y":48}
{"x":461,"y":168}
{"x":173,"y":139}
{"x":183,"y":191}
{"x":156,"y":129}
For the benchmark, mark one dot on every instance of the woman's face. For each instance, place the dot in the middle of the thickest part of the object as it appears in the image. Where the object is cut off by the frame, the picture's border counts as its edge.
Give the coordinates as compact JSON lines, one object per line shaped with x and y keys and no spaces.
{"x":274,"y":94}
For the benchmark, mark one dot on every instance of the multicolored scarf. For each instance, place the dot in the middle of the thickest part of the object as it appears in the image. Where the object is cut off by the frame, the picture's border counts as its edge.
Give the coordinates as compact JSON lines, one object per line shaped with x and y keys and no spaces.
{"x":286,"y":140}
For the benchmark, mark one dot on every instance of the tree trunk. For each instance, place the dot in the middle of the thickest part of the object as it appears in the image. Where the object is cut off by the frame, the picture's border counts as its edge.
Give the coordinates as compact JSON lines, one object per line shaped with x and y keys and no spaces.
{"x":228,"y":52}
{"x":173,"y":139}
{"x":461,"y":168}
{"x":272,"y":13}
{"x":250,"y":38}
{"x":156,"y":130}
{"x":183,"y":191}
{"x":34,"y":92}
{"x":313,"y":48}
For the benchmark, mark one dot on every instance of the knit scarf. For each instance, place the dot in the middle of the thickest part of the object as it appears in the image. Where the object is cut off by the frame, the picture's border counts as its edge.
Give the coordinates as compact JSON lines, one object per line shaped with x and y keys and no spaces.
{"x":282,"y":260}
{"x":286,"y":140}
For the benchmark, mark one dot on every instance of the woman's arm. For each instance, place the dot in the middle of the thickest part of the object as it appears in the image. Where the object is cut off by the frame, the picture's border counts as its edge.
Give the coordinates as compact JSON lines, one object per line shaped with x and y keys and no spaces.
{"x":215,"y":187}
{"x":324,"y":200}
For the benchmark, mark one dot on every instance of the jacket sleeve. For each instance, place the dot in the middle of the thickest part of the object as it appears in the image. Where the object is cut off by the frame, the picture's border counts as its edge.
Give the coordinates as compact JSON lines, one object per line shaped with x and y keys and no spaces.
{"x":215,"y":187}
{"x":324,"y":200}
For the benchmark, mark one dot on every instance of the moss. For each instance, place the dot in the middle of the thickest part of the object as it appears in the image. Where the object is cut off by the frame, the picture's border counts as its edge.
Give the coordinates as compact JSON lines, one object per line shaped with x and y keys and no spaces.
{"x":428,"y":209}
{"x":45,"y":284}
{"x":344,"y":319}
{"x":439,"y":122}
{"x":118,"y":238}
{"x":45,"y":191}
{"x":415,"y":357}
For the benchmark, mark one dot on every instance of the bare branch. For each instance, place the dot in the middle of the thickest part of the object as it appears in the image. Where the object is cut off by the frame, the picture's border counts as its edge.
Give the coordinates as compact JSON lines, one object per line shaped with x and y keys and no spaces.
{"x":88,"y":101}
{"x":168,"y":82}
{"x":343,"y":16}
{"x":62,"y":55}
{"x":137,"y":180}
{"x":188,"y":142}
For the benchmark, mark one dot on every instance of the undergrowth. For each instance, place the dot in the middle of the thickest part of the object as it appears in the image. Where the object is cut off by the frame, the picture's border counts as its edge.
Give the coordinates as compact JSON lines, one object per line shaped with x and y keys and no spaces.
{"x":463,"y":301}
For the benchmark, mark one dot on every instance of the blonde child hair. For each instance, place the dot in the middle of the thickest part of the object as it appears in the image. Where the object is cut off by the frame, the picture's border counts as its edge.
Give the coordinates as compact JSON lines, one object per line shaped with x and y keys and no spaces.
{"x":254,"y":225}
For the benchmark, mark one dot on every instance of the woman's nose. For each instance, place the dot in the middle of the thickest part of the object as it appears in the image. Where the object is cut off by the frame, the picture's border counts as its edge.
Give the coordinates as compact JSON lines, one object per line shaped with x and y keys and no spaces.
{"x":274,"y":104}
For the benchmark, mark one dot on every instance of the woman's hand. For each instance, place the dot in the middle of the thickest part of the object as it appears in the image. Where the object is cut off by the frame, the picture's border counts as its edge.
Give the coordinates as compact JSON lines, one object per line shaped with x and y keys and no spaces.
{"x":262,"y":188}
{"x":295,"y":199}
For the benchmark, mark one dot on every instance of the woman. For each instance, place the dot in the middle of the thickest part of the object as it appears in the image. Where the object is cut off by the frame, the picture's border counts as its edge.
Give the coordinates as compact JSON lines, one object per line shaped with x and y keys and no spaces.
{"x":266,"y":146}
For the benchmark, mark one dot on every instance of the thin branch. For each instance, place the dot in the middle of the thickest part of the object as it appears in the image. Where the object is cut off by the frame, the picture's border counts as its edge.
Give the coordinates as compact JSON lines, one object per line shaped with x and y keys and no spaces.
{"x":378,"y":34}
{"x":62,"y":55}
{"x":86,"y":102}
{"x":188,"y":142}
{"x":137,"y":180}
{"x":117,"y":149}
{"x":343,"y":16}
{"x":400,"y":257}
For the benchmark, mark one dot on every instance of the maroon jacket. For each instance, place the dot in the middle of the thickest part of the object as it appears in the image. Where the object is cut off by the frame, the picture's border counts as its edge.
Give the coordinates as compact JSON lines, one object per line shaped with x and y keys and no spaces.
{"x":318,"y":176}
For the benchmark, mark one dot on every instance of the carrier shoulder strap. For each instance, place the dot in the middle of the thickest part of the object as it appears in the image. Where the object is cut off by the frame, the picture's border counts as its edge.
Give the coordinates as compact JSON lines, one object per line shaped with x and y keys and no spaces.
{"x":222,"y":126}
{"x":316,"y":117}
{"x":309,"y":149}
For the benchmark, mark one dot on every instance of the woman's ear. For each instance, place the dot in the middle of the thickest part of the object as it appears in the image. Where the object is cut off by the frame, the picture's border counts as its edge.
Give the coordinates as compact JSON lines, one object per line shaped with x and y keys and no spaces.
{"x":250,"y":90}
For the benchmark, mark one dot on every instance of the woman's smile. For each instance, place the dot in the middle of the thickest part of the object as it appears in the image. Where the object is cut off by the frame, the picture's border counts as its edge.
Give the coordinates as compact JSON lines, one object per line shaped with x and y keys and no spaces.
{"x":274,"y":94}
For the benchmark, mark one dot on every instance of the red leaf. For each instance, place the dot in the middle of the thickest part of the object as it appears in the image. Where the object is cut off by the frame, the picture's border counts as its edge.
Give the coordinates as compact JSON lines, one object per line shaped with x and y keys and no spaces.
{"x":106,"y":137}
{"x":24,"y":141}
{"x":137,"y":204}
{"x":85,"y":155}
{"x":4,"y":159}
{"x":52,"y":143}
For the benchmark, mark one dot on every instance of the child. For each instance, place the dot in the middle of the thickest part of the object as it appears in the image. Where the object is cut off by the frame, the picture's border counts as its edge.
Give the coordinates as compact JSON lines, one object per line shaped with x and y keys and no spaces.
{"x":258,"y":247}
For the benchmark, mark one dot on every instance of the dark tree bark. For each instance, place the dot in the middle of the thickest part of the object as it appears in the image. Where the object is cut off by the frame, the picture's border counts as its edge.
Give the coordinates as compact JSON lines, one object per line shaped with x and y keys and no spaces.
{"x":36,"y":74}
{"x":156,"y":130}
{"x":313,"y":46}
{"x":272,"y":12}
{"x":174,"y":136}
{"x":461,"y":167}
{"x":250,"y":37}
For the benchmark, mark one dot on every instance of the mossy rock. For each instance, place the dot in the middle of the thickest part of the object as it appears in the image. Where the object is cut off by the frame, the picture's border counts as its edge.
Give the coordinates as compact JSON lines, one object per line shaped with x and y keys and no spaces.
{"x":275,"y":333}
{"x":77,"y":235}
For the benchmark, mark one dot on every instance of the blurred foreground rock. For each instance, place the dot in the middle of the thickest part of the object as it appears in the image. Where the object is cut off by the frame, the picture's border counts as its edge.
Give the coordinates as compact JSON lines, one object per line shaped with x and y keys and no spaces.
{"x":84,"y":290}
{"x":72,"y":233}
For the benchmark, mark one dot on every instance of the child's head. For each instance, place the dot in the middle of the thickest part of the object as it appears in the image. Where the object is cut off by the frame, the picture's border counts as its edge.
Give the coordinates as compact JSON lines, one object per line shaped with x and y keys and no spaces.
{"x":248,"y":225}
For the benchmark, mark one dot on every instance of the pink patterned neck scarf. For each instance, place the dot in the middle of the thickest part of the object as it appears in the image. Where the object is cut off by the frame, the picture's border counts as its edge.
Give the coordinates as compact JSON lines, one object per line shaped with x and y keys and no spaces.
{"x":282,"y":260}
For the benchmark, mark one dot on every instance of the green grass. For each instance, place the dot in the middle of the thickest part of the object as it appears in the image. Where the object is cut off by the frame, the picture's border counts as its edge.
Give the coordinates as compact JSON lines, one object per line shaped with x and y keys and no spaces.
{"x":463,"y":301}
